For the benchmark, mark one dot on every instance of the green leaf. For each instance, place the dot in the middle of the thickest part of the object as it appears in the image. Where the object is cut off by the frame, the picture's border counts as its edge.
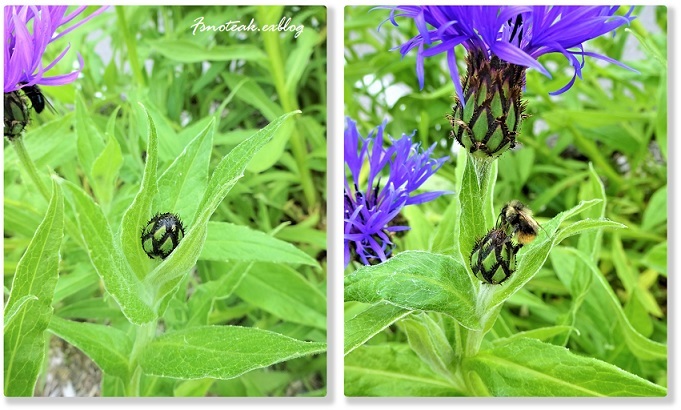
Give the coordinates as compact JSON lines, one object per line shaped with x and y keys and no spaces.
{"x":573,"y":274}
{"x":282,"y":291}
{"x":625,"y":272}
{"x":528,"y":367}
{"x":637,"y":314}
{"x":81,"y":278}
{"x":477,"y":212}
{"x":656,"y":258}
{"x":89,"y":139}
{"x":416,"y":280}
{"x":366,"y":324}
{"x":392,"y":371}
{"x":166,"y":276}
{"x":542,"y":333}
{"x":107,"y":346}
{"x":112,"y":386}
{"x":656,"y":211}
{"x":185,"y":51}
{"x":298,"y":60}
{"x":269,"y":155}
{"x":226,"y":241}
{"x":428,"y":340}
{"x":92,"y":308}
{"x":586,"y":225}
{"x":193,"y":388}
{"x":201,"y":301}
{"x":639,"y":345}
{"x":186,"y":178}
{"x":578,"y":279}
{"x":44,"y":148}
{"x":252,"y":94}
{"x":169,"y":145}
{"x":446,"y":238}
{"x":12,"y":312}
{"x":220,"y":352}
{"x":417,"y":238}
{"x":592,"y":189}
{"x":139,"y":212}
{"x":108,"y":260}
{"x":105,"y":168}
{"x":29,"y":306}
{"x":20,"y":218}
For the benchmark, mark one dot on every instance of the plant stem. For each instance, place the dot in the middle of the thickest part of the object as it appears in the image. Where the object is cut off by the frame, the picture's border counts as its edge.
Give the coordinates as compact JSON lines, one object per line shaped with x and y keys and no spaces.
{"x":30,"y":167}
{"x":473,"y":342}
{"x":289,"y":103}
{"x":133,"y":387}
{"x":32,"y":171}
{"x":486,"y":171}
{"x":144,"y":334}
{"x":130,"y":44}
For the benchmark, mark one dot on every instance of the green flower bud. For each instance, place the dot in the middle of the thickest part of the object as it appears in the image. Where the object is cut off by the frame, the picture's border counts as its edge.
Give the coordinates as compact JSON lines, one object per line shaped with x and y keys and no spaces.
{"x":161,"y":235}
{"x":493,"y":257}
{"x":16,"y":114}
{"x":488,"y":123}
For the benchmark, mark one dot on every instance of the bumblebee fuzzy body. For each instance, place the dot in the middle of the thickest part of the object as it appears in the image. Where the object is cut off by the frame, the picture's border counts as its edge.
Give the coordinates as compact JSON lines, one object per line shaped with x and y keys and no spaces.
{"x":516,"y":219}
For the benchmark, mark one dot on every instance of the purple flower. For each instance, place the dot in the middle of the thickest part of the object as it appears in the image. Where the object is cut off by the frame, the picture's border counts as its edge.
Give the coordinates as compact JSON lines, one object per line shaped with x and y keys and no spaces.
{"x":516,"y":34}
{"x":369,"y":210}
{"x":28,"y":31}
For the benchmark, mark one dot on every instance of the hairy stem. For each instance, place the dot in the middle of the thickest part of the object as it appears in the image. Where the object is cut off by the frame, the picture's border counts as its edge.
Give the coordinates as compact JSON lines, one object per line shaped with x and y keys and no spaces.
{"x":30,"y":167}
{"x":144,"y":335}
{"x":289,"y":103}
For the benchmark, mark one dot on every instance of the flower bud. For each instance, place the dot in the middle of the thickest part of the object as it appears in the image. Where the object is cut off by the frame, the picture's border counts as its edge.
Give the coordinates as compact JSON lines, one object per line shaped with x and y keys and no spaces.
{"x":16,"y":114}
{"x":493,"y":257}
{"x":490,"y":119}
{"x":161,"y":235}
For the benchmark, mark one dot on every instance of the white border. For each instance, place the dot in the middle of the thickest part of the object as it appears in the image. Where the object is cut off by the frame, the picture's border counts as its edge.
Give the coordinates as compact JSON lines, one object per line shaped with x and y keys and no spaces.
{"x":335,"y":397}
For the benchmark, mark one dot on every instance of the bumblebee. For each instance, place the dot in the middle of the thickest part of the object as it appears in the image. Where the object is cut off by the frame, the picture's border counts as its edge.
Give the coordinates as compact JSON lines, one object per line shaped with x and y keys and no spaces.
{"x":37,"y":98}
{"x":516,"y":220}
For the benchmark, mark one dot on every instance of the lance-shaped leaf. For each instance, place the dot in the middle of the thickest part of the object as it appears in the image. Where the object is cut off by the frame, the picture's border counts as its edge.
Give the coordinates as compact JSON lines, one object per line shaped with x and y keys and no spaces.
{"x":90,"y":142}
{"x":108,"y":259}
{"x":477,"y":213}
{"x":392,"y":370}
{"x":417,"y":280}
{"x":137,"y":215}
{"x":29,"y":306}
{"x":530,"y":368}
{"x":363,"y":326}
{"x":105,"y":168}
{"x":227,"y":241}
{"x":186,"y":178}
{"x":220,"y":352}
{"x":639,"y":345}
{"x":285,"y":293}
{"x":108,"y":347}
{"x":166,"y":276}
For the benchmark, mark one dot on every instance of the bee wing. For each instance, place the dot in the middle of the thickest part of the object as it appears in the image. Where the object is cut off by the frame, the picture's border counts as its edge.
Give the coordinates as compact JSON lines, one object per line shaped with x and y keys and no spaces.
{"x":49,"y":105}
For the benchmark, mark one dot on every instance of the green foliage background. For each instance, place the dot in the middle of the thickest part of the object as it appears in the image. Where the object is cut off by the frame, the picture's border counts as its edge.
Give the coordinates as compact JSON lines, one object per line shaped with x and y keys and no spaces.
{"x":613,"y":120}
{"x":264,"y":261}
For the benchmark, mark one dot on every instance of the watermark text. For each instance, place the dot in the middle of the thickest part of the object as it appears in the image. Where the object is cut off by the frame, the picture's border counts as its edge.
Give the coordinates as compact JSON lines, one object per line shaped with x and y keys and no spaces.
{"x":238,"y":26}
